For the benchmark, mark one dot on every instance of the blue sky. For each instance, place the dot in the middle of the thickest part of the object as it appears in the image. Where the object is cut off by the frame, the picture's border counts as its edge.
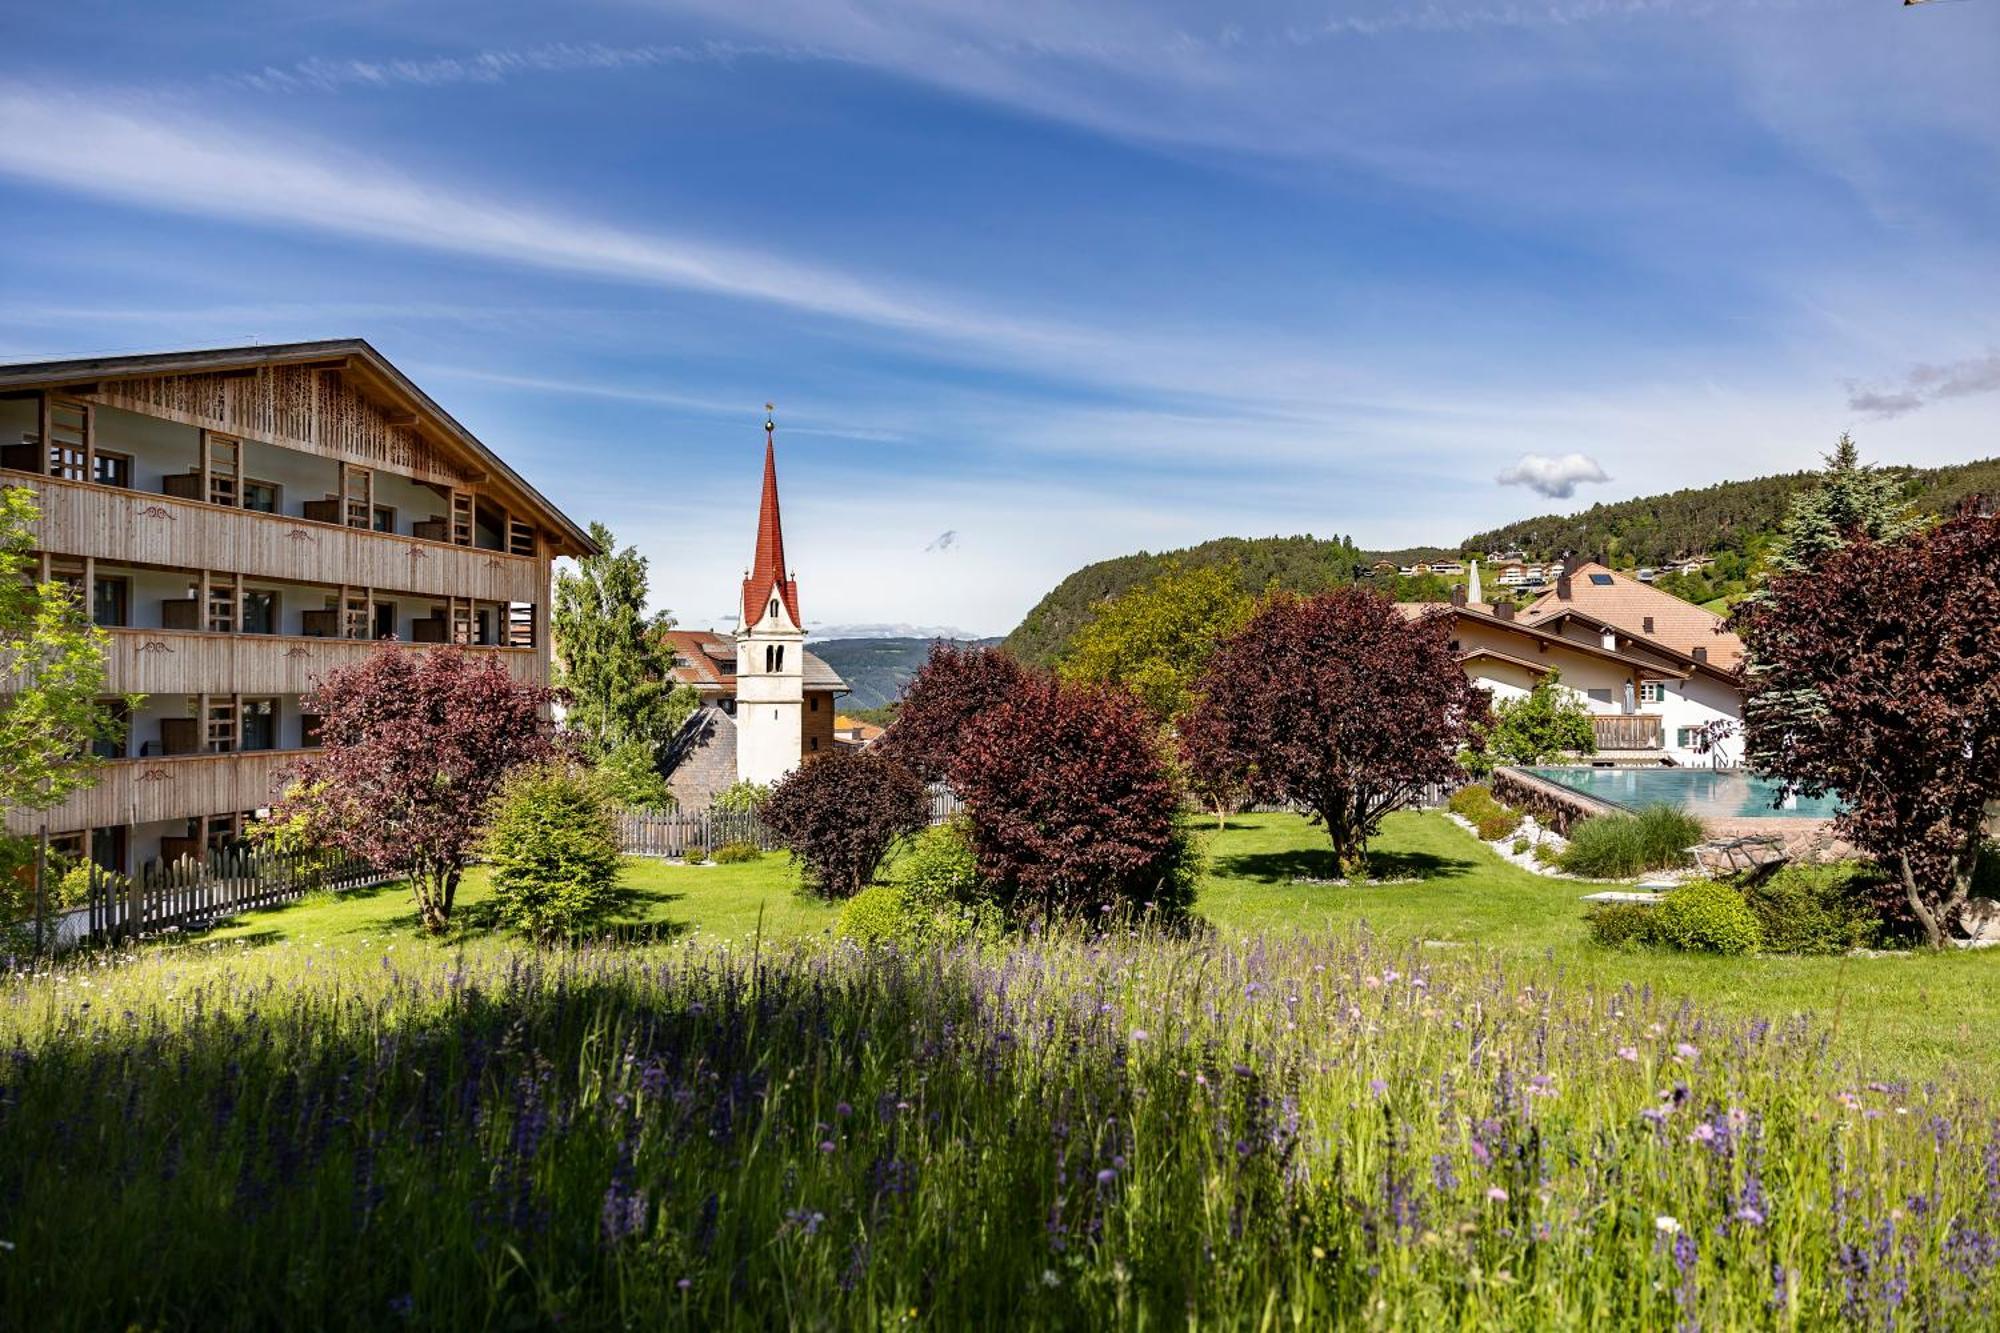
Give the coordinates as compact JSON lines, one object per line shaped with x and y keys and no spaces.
{"x":1039,"y":283}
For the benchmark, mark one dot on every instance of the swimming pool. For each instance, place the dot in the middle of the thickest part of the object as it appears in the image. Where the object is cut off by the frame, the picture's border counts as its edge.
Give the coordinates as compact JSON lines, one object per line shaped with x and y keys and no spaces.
{"x":1713,"y":793}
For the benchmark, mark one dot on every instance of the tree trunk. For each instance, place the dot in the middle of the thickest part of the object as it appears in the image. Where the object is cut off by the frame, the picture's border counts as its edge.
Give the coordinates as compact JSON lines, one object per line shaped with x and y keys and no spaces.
{"x":1933,"y":929}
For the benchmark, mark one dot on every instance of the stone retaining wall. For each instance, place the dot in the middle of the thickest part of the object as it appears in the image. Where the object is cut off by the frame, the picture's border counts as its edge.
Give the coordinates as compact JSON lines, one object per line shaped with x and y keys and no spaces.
{"x":1553,"y":805}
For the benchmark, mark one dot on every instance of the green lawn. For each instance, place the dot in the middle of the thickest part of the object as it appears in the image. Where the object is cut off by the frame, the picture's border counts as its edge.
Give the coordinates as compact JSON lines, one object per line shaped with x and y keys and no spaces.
{"x":1914,"y":1014}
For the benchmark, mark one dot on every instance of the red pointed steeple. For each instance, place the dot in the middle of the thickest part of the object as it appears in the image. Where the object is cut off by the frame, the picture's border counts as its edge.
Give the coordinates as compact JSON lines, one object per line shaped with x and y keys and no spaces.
{"x":768,"y":577}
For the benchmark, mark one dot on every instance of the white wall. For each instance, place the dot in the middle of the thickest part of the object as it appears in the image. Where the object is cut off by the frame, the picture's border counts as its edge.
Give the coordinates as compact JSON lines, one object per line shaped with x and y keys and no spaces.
{"x":157,"y":447}
{"x":1693,"y":702}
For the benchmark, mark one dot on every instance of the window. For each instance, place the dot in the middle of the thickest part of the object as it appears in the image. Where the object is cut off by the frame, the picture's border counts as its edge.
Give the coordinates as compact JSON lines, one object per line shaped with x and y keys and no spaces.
{"x":815,"y":742}
{"x":385,"y":519}
{"x":1653,"y":692}
{"x":1599,"y":696}
{"x":112,"y":470}
{"x":1684,"y":738}
{"x":774,"y":606}
{"x":110,"y":602}
{"x":815,"y":703}
{"x":385,"y":622}
{"x":260,"y":611}
{"x":263,"y":496}
{"x":1601,"y":580}
{"x":260,"y":724}
{"x":309,"y":724}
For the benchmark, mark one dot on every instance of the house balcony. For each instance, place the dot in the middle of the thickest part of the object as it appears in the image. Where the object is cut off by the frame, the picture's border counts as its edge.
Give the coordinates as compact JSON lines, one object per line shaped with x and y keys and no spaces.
{"x":137,"y":527}
{"x":158,"y":661}
{"x":139,"y":791}
{"x":1628,"y":732}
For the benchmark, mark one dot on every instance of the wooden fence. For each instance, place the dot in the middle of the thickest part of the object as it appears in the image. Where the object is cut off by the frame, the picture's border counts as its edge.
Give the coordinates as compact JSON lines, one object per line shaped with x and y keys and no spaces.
{"x":190,"y":893}
{"x":670,"y":833}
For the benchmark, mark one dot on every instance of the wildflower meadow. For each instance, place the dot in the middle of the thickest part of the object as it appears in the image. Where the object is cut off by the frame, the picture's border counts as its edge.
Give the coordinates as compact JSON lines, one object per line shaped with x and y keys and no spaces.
{"x":1123,"y":1132}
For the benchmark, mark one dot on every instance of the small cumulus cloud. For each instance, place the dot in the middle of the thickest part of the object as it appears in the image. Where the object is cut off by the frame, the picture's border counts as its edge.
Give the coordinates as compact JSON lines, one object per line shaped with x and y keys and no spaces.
{"x":1557,"y":478}
{"x":944,"y":541}
{"x":1926,"y":383}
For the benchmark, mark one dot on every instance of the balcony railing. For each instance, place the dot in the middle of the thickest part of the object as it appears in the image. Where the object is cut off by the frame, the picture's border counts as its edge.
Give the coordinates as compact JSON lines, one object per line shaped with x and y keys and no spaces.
{"x":1627,"y":731}
{"x":160,"y":661}
{"x":137,"y":527}
{"x":138,"y":791}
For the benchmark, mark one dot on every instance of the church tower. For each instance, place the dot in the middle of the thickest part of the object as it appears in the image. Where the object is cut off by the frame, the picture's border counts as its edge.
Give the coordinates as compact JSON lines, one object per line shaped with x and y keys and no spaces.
{"x":770,"y":647}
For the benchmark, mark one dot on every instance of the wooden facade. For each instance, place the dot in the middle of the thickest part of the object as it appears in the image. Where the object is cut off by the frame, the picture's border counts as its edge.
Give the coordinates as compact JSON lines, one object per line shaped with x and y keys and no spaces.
{"x":142,"y":791}
{"x":136,"y":527}
{"x":146,"y":465}
{"x":156,"y":661}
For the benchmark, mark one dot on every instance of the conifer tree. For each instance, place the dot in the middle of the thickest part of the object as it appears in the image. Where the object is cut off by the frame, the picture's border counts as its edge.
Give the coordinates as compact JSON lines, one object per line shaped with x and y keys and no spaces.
{"x":1852,"y":500}
{"x":611,"y":656}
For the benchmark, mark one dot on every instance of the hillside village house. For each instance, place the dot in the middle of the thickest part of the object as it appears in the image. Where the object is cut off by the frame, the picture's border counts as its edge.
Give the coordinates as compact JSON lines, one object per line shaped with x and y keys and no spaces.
{"x":1651,"y":668}
{"x":240,"y":521}
{"x":766,"y":703}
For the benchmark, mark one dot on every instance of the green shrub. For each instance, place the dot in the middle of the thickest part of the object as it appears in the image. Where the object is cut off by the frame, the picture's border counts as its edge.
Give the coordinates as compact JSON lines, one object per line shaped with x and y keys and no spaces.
{"x":694,"y":854}
{"x":1623,"y":926}
{"x":1497,"y":823}
{"x":736,"y":853}
{"x":939,"y":866}
{"x":1548,"y":854}
{"x":1471,"y":801}
{"x":73,"y":887}
{"x":876,"y":915}
{"x":742,"y":798}
{"x":1706,"y":917}
{"x":1619,"y":846}
{"x":1815,"y":909}
{"x":554,"y":851}
{"x":630,"y":776}
{"x":1521,"y":846}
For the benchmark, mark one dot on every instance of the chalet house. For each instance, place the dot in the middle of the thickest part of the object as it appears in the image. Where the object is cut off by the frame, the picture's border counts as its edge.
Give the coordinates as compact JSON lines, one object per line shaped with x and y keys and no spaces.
{"x":1594,"y":602}
{"x":853,"y":734}
{"x":1508,"y":658}
{"x":241,"y":521}
{"x":766,"y":703}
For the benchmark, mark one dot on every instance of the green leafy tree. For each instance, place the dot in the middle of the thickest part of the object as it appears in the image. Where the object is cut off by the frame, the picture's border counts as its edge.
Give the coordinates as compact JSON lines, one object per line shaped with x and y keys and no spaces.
{"x":1546,"y":723}
{"x":1155,"y":639}
{"x":1852,"y":500}
{"x":554,"y":851}
{"x":611,"y":659}
{"x":742,"y":798}
{"x":629,"y":775}
{"x":52,"y":674}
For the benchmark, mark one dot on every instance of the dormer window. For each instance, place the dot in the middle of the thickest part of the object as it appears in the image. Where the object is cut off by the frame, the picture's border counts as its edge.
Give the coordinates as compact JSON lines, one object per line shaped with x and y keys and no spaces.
{"x":774,"y":606}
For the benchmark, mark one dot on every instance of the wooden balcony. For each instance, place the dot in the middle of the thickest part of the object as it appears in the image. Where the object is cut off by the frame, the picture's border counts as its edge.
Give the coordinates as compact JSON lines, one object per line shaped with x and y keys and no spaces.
{"x":136,"y":791}
{"x":158,"y":661}
{"x":1628,"y":731}
{"x":138,"y":527}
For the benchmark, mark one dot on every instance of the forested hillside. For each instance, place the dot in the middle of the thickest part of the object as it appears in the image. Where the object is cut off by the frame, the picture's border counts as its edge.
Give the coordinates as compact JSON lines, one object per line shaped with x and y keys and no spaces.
{"x":1657,"y":528}
{"x":1733,"y":517}
{"x":1302,"y":564}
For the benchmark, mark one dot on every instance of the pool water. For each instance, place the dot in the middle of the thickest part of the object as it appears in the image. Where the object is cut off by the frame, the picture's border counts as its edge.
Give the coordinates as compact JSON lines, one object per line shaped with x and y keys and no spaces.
{"x":1714,"y":793}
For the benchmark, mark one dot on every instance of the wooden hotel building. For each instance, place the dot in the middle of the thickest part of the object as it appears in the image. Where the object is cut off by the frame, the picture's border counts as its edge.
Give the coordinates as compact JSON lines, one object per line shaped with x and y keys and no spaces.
{"x":240,"y":521}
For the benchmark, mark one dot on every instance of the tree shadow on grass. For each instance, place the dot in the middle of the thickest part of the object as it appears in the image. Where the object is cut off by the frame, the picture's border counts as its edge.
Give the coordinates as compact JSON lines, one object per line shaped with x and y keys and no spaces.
{"x":1317,"y":864}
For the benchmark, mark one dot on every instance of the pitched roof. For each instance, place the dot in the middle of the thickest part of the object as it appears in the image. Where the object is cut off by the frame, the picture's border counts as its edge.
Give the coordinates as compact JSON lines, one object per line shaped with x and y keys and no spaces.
{"x":1611,"y":597}
{"x":710,"y":660}
{"x":767,"y":568}
{"x":80,"y":373}
{"x":1483,"y":615}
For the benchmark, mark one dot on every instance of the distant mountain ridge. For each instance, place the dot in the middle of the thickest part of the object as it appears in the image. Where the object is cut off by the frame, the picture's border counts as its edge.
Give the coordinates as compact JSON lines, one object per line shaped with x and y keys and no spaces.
{"x":1651,"y":530}
{"x":877,"y":669}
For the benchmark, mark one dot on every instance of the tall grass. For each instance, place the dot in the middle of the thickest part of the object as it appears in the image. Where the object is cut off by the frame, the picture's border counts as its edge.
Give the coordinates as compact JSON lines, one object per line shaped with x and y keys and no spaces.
{"x":1123,"y":1133}
{"x":1616,"y":846}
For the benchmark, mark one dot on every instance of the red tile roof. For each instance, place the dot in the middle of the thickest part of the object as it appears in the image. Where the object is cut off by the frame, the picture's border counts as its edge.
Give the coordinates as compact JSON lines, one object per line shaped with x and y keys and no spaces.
{"x":767,"y":569}
{"x":1625,"y":602}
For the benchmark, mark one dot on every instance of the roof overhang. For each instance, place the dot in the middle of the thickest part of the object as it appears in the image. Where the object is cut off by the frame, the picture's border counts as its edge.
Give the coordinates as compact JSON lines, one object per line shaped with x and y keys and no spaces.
{"x":353,"y":356}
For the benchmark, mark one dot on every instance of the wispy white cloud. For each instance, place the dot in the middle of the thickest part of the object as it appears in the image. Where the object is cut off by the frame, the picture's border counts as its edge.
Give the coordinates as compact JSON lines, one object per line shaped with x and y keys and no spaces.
{"x":1556,"y":478}
{"x":1927,"y":383}
{"x":493,"y":66}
